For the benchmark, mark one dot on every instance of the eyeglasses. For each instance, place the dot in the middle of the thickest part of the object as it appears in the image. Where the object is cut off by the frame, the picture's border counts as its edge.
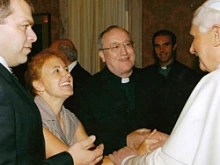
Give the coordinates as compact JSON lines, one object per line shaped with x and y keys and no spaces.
{"x":116,"y":47}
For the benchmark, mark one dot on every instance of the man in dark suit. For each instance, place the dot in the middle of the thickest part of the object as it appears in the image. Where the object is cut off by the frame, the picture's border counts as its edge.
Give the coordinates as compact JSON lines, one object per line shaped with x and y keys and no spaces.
{"x":115,"y":102}
{"x":177,"y":84}
{"x":80,"y":75}
{"x":21,"y":137}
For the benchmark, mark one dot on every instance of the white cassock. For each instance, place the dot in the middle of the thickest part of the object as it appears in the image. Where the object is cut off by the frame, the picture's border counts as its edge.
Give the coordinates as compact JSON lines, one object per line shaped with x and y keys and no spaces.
{"x":195,"y":139}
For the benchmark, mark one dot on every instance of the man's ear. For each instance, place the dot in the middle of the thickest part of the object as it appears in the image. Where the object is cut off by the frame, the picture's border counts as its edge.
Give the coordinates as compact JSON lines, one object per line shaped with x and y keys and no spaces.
{"x":38,"y":86}
{"x":174,"y":47}
{"x":101,"y":55}
{"x":216,"y":35}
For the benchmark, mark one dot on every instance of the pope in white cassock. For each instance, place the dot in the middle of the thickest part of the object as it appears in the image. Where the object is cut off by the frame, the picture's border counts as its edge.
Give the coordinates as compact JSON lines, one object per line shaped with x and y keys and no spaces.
{"x":195,"y":139}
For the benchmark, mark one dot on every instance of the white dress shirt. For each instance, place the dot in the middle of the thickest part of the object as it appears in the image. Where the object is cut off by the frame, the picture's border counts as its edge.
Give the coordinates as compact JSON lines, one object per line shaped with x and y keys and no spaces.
{"x":4,"y":63}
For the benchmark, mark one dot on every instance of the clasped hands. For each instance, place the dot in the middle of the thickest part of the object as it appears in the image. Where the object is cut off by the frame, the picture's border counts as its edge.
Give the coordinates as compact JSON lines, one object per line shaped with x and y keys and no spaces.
{"x":145,"y":141}
{"x":139,"y":142}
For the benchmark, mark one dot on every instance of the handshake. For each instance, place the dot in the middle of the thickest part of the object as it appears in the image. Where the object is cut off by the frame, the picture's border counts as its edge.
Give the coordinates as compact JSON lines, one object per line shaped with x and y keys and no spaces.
{"x":140,"y":142}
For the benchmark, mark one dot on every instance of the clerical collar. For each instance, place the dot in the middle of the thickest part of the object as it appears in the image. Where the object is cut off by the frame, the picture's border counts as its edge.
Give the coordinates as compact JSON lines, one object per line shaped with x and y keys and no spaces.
{"x":163,"y":67}
{"x":166,"y":67}
{"x":125,"y":80}
{"x":72,"y":65}
{"x":164,"y":70}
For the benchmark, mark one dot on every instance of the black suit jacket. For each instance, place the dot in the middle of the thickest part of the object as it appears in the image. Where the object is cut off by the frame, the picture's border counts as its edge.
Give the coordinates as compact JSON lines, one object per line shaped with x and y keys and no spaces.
{"x":80,"y":77}
{"x":107,"y":113}
{"x":21,"y":137}
{"x":174,"y":92}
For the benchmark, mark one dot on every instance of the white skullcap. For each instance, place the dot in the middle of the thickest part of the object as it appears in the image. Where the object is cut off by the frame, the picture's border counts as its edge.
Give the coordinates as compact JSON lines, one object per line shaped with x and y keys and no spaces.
{"x":214,"y":4}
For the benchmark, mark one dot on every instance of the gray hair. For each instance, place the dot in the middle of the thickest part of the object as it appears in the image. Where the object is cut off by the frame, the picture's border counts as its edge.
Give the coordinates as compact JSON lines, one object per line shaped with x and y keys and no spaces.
{"x":70,"y":51}
{"x":100,"y":43}
{"x":206,"y":16}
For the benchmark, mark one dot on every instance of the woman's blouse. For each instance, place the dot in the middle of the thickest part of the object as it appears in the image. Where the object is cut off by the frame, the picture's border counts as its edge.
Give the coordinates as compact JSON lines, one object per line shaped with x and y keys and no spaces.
{"x":50,"y":121}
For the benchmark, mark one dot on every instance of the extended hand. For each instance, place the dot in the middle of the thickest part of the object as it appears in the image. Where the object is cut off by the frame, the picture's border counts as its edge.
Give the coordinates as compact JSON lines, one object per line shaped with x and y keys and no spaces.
{"x":82,"y":156}
{"x":144,"y":148}
{"x":135,"y":138}
{"x":118,"y":156}
{"x":161,"y":137}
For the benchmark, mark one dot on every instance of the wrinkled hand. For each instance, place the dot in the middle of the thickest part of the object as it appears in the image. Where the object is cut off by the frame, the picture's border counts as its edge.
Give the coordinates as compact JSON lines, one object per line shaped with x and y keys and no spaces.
{"x":135,"y":138}
{"x":144,"y":148}
{"x":161,"y":137}
{"x":82,"y":156}
{"x":118,"y":156}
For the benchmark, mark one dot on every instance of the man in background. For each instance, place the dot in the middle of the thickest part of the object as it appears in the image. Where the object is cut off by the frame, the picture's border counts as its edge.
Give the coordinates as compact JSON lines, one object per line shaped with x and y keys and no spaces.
{"x":177,"y":79}
{"x":79,"y":74}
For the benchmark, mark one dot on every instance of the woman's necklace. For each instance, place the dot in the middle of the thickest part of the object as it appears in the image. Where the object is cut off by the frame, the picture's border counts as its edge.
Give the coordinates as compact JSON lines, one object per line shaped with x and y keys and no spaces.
{"x":62,"y":124}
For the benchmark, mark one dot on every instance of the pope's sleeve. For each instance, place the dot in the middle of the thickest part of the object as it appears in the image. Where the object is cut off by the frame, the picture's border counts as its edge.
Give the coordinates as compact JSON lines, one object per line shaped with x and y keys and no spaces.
{"x":153,"y":158}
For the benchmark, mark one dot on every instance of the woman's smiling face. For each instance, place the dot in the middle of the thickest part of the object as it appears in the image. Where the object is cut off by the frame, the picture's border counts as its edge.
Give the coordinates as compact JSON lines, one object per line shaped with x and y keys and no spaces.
{"x":55,"y":78}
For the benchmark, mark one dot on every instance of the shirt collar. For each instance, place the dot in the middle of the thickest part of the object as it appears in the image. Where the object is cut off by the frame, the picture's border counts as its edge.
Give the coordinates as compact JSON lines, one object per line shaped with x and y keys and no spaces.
{"x":72,"y":65}
{"x":4,"y":63}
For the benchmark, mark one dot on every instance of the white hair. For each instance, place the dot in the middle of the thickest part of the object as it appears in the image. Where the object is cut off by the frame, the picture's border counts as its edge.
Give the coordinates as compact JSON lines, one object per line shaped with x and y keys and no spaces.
{"x":207,"y":15}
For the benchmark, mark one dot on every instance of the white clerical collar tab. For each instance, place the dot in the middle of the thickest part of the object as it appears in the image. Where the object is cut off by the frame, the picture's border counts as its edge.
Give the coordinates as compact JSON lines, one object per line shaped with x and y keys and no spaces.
{"x":125,"y":80}
{"x":214,"y":4}
{"x":163,"y":67}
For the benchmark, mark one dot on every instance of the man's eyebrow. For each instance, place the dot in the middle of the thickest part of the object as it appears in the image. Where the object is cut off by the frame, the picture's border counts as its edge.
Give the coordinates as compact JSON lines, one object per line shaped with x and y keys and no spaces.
{"x":165,"y":43}
{"x":30,"y":22}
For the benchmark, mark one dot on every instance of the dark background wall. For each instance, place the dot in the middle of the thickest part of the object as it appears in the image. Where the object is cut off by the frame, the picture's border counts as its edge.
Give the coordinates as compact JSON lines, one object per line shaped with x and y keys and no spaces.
{"x":52,"y":7}
{"x":174,"y":15}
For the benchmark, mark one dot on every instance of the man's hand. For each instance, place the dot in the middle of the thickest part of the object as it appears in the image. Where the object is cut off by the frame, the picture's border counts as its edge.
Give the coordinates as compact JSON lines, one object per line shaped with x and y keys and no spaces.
{"x":161,"y":137}
{"x":118,"y":156}
{"x":144,"y":148}
{"x":135,"y":138}
{"x":82,"y":156}
{"x":145,"y":141}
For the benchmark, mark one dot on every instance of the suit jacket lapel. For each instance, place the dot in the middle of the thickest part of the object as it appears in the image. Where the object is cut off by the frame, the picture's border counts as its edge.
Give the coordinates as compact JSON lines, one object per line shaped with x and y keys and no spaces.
{"x":17,"y":86}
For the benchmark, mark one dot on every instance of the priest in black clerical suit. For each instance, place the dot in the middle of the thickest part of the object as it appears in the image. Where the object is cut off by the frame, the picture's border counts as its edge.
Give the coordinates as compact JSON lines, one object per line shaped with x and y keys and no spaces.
{"x":116,"y":100}
{"x":177,"y":79}
{"x":177,"y":83}
{"x":113,"y":107}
